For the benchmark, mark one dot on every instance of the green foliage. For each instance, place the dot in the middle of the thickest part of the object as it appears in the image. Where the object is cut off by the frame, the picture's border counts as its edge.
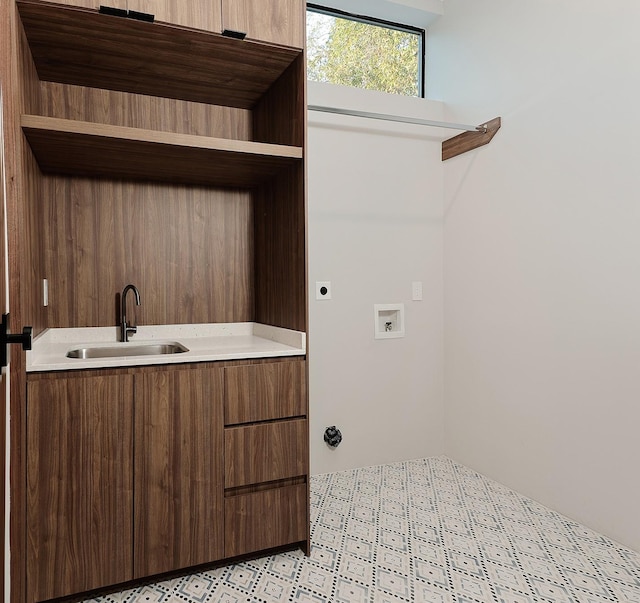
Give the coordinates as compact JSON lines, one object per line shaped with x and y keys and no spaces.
{"x":362,"y":55}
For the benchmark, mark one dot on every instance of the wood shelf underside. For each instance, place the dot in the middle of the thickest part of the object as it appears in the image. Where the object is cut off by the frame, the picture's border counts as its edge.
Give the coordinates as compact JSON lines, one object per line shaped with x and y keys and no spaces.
{"x":149,"y":58}
{"x":77,"y":148}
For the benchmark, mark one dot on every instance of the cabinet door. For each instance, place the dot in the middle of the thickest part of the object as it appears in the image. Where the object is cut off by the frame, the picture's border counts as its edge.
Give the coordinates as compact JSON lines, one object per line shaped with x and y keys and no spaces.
{"x":179,"y":486}
{"x":264,"y":392}
{"x":265,"y":519}
{"x":276,"y":21}
{"x":79,"y":484}
{"x":199,"y":14}
{"x":265,"y":452}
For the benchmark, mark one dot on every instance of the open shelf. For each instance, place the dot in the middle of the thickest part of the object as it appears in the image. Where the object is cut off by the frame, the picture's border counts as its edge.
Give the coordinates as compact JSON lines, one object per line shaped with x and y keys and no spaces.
{"x":80,"y":46}
{"x":79,"y":148}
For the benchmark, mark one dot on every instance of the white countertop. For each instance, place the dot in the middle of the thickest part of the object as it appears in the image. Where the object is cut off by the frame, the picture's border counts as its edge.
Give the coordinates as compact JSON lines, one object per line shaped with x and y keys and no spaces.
{"x":205,"y":343}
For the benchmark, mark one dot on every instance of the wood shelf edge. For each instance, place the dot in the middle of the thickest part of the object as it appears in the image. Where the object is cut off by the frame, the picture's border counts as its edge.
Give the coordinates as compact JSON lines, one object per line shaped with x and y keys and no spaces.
{"x":124,"y":133}
{"x":467,"y":141}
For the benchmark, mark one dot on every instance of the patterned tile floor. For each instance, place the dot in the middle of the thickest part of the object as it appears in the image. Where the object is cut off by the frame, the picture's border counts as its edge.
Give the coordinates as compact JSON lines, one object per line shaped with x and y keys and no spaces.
{"x":421,"y":531}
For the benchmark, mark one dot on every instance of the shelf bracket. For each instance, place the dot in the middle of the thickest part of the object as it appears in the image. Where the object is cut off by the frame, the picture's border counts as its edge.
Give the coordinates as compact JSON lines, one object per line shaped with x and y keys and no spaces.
{"x":468,"y":141}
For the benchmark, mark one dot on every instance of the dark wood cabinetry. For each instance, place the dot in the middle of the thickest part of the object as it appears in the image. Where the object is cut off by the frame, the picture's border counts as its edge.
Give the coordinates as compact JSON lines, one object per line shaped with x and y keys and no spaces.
{"x":178,"y":510}
{"x":79,"y":484}
{"x":132,"y":473}
{"x":170,"y":156}
{"x":264,"y":452}
{"x":266,"y":456}
{"x":274,"y":21}
{"x":257,"y":520}
{"x":277,"y":21}
{"x":263,"y":392}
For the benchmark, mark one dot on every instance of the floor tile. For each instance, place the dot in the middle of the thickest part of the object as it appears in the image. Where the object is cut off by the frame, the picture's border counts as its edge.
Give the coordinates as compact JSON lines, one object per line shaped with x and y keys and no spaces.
{"x":423,"y":531}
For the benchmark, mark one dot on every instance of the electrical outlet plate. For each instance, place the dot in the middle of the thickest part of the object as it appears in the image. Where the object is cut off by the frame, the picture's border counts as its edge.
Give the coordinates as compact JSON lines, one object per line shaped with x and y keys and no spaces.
{"x":323,"y":289}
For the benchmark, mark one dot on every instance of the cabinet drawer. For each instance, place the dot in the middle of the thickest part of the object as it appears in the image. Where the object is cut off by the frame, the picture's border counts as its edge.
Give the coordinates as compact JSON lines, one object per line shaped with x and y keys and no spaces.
{"x":265,"y":519}
{"x":263,"y":392}
{"x":264,"y":453}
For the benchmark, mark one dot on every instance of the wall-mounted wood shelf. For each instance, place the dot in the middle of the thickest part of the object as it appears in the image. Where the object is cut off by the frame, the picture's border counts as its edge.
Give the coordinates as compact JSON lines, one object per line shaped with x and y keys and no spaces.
{"x":78,"y":148}
{"x":468,"y":141}
{"x":73,"y":45}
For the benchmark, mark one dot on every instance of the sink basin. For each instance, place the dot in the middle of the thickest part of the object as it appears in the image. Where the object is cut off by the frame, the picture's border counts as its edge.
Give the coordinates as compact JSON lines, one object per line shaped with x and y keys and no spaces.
{"x":128,"y":349}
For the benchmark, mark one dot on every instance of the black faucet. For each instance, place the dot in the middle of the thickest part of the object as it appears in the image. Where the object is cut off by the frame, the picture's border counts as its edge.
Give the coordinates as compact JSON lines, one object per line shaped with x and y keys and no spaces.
{"x":126,"y":329}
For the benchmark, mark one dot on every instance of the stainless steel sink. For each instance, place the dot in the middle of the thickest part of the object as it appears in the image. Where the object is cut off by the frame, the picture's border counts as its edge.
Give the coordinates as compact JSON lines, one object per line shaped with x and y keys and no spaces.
{"x":128,"y":349}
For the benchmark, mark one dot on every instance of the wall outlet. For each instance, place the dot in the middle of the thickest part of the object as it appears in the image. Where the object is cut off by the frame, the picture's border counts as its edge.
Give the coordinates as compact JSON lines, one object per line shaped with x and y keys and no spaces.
{"x":416,"y":290}
{"x":323,"y":290}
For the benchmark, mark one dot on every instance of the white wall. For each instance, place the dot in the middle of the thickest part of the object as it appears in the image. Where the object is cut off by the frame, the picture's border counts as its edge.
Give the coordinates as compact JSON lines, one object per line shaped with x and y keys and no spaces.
{"x":375,"y":225}
{"x":542,"y":251}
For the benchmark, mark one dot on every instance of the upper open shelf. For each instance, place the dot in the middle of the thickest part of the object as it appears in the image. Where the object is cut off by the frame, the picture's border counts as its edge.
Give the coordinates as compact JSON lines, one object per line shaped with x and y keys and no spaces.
{"x":79,"y":148}
{"x":80,"y":46}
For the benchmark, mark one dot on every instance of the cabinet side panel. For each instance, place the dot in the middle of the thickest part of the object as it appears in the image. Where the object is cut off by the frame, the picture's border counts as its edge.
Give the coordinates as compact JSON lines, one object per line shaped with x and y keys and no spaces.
{"x":265,"y":392}
{"x":265,"y":452}
{"x":280,"y":263}
{"x":265,"y":519}
{"x":280,"y":116}
{"x":178,"y":481}
{"x":31,"y":252}
{"x":79,"y":484}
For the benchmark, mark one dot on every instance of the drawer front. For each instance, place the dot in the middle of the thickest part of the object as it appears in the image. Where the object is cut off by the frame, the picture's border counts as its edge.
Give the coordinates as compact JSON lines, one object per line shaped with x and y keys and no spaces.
{"x":263,"y":392}
{"x":265,"y":452}
{"x":265,"y":519}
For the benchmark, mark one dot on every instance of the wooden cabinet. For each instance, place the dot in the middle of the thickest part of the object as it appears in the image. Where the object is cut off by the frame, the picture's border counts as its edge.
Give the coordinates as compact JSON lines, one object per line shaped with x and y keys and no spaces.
{"x":266,"y":456}
{"x":263,"y":392}
{"x":276,"y":21}
{"x":199,"y":14}
{"x":133,"y":473}
{"x":79,"y":484}
{"x":178,"y":470}
{"x":265,"y":518}
{"x":197,"y":141}
{"x":264,"y":452}
{"x":210,"y":159}
{"x":273,"y":21}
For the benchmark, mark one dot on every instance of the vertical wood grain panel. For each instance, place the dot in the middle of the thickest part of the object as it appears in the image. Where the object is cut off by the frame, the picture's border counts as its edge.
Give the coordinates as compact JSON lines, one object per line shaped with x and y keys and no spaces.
{"x":178,"y":482}
{"x":265,"y":452}
{"x":280,"y":209}
{"x":31,"y":253}
{"x":142,"y":111}
{"x":199,"y":14}
{"x":276,"y":21}
{"x":79,"y":484}
{"x":280,"y":115}
{"x":188,"y":249}
{"x":17,"y":84}
{"x":264,"y":392}
{"x":265,"y":519}
{"x":280,"y":257}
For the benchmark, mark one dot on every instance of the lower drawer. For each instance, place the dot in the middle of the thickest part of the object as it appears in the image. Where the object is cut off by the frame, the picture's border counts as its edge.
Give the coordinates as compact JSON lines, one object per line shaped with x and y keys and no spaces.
{"x":265,"y":519}
{"x":265,"y":452}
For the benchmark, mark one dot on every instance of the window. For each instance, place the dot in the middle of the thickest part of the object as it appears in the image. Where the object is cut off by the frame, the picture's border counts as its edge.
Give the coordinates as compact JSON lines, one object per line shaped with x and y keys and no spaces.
{"x":363,"y":52}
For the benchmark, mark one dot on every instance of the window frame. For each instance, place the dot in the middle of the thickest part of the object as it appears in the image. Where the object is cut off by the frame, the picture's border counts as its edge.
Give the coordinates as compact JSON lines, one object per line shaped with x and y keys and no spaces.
{"x":421,"y":32}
